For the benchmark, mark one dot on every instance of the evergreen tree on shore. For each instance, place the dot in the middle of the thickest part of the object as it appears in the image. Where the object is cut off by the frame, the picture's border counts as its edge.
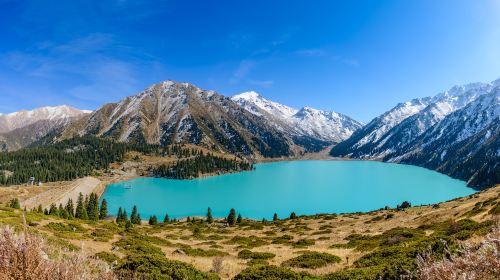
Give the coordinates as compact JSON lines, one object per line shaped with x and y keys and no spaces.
{"x":231,"y":218}
{"x":239,"y":219}
{"x":103,"y":211}
{"x":166,"y":220}
{"x":119,"y":216}
{"x":93,"y":207}
{"x":275,"y":217}
{"x":153,"y":220}
{"x":210,"y":219}
{"x":135,"y":218}
{"x":125,"y":216}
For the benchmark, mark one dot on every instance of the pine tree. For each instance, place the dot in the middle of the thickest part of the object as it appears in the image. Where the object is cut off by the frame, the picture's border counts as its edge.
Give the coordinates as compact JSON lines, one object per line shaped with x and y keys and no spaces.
{"x":80,"y":208}
{"x":61,"y":210}
{"x":70,"y":208}
{"x":275,"y":217}
{"x":239,"y":219}
{"x":293,"y":216}
{"x":86,"y":203}
{"x":103,"y":212}
{"x":135,"y":218}
{"x":125,"y":216}
{"x":210,"y":219}
{"x":14,"y":203}
{"x":53,"y":210}
{"x":93,"y":207}
{"x":119,"y":216}
{"x":128,"y":226}
{"x":166,"y":220}
{"x":39,"y":209}
{"x":153,"y":220}
{"x":231,"y":218}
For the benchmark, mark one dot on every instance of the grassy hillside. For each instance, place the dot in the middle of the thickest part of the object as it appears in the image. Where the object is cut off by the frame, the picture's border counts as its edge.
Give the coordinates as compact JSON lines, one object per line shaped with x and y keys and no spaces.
{"x":385,"y":243}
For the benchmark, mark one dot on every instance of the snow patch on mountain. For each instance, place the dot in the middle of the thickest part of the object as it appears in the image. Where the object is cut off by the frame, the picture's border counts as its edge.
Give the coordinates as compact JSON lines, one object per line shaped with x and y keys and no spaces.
{"x":15,"y":120}
{"x":324,"y":125}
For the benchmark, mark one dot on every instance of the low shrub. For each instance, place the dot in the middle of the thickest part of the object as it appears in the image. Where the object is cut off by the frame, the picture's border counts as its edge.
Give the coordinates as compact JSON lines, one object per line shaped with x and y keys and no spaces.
{"x":312,"y":260}
{"x":270,"y":272}
{"x":247,"y":254}
{"x":249,"y":242}
{"x":107,"y":257}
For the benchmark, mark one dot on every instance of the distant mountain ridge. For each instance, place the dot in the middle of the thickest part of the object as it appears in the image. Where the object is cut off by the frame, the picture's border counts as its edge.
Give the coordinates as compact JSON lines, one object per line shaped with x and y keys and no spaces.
{"x":323,"y":125}
{"x":20,"y":129}
{"x":20,"y":119}
{"x":433,"y":131}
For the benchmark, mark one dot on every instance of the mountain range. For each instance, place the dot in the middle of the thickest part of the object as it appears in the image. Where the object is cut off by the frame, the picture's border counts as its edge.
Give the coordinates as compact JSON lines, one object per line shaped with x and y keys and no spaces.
{"x":323,"y":125}
{"x":454,"y":132}
{"x":22,"y":128}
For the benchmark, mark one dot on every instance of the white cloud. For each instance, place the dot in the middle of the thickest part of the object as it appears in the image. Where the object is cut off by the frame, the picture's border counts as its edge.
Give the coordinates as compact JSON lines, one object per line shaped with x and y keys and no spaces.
{"x":262,"y":83}
{"x":244,"y":68}
{"x":311,"y":52}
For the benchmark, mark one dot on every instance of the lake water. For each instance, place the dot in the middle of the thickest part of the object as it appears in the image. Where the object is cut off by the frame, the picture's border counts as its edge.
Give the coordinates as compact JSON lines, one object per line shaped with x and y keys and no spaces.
{"x":305,"y":187}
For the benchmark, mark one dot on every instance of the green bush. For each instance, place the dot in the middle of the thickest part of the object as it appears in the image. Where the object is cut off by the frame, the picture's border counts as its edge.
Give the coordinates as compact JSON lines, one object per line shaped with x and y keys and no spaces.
{"x":107,"y":257}
{"x":284,"y":239}
{"x":312,"y":260}
{"x":271,"y":272}
{"x":197,"y":252}
{"x":70,"y":227}
{"x":146,"y":261}
{"x":249,"y":242}
{"x":247,"y":254}
{"x":154,"y":266}
{"x":304,"y":243}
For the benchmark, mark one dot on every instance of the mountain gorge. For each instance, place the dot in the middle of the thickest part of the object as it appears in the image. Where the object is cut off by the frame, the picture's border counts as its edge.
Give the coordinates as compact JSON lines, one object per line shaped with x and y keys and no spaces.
{"x":454,"y":132}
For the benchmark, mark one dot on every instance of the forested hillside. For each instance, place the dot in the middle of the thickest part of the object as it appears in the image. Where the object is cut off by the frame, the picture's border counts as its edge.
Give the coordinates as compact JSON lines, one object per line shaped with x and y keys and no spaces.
{"x":83,"y":156}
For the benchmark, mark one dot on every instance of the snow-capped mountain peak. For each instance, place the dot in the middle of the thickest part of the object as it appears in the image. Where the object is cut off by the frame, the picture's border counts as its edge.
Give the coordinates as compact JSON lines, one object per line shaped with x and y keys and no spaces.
{"x":255,"y":103}
{"x":24,"y":118}
{"x":327,"y":126}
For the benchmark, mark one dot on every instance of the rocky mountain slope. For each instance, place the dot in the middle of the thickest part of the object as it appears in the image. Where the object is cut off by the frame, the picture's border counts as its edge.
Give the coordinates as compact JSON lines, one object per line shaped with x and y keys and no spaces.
{"x":465,"y":144}
{"x":454,"y":132}
{"x":171,"y":112}
{"x":20,"y":129}
{"x":323,"y":125}
{"x":20,"y":119}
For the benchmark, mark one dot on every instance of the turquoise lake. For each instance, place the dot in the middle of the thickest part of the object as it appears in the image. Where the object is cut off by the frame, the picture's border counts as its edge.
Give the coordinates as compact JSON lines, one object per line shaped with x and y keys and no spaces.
{"x":305,"y":187}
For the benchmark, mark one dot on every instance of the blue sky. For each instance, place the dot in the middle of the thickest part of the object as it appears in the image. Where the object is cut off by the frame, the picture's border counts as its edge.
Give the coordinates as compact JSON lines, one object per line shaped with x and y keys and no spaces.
{"x":355,"y":57}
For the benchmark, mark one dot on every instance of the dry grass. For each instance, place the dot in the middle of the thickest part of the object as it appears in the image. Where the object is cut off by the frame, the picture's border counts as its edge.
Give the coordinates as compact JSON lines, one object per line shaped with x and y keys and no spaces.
{"x":25,"y":256}
{"x":472,"y":262}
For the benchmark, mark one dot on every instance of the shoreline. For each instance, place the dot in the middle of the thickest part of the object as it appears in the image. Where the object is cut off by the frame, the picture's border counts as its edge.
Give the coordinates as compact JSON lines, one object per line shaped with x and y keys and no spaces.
{"x":105,"y":180}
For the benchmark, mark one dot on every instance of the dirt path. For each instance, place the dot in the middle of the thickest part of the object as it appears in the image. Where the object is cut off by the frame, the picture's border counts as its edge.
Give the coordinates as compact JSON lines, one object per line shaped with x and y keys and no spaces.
{"x":61,"y":194}
{"x":86,"y":186}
